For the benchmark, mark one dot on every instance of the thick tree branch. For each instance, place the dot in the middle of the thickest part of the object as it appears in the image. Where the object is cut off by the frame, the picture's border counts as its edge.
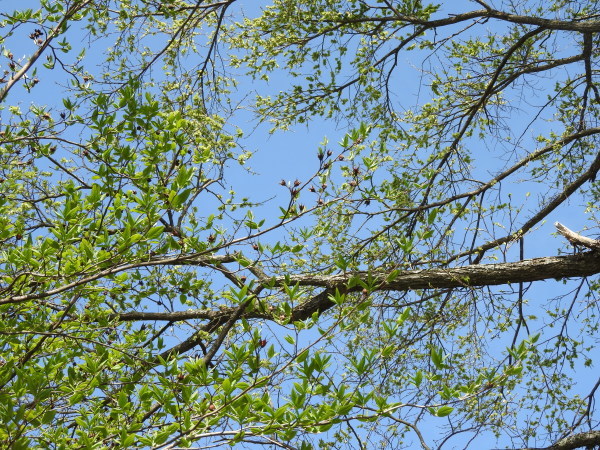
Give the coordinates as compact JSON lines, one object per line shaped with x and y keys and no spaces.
{"x":588,"y":439}
{"x":557,"y":267}
{"x":583,"y":26}
{"x":579,"y":265}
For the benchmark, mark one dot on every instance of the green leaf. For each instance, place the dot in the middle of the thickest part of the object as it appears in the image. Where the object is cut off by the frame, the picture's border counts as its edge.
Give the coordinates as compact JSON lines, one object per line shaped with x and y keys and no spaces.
{"x":443,"y":411}
{"x":154,"y":232}
{"x":180,"y":198}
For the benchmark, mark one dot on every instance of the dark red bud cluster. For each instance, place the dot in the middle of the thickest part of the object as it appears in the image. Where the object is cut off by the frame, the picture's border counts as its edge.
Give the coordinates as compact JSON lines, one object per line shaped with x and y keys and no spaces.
{"x":37,"y":33}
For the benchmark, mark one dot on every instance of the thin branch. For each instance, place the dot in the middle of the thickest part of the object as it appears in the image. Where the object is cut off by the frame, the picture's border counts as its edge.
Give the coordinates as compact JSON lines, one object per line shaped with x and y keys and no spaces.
{"x":56,"y":31}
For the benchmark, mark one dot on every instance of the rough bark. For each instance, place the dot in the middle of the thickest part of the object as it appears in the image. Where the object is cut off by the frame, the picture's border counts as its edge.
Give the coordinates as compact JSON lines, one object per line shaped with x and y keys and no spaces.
{"x":589,"y":440}
{"x":558,"y":267}
{"x":578,"y":265}
{"x":537,"y":269}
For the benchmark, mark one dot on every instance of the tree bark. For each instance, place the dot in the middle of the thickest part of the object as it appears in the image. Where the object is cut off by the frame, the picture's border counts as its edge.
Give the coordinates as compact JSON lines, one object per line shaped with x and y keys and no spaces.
{"x":475,"y":275}
{"x":578,"y":265}
{"x":557,"y":267}
{"x":588,"y":440}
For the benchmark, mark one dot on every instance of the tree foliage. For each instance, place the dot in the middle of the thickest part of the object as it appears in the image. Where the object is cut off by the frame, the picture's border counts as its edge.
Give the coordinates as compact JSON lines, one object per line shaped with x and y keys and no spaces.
{"x":153,"y":296}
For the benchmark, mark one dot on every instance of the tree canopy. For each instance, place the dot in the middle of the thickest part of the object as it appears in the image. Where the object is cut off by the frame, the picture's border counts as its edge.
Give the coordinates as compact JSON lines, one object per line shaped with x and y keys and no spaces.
{"x":377,"y":293}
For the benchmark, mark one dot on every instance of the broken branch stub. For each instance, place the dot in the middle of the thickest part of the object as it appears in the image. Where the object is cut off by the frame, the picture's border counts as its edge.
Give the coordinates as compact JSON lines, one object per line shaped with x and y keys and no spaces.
{"x":577,"y":239}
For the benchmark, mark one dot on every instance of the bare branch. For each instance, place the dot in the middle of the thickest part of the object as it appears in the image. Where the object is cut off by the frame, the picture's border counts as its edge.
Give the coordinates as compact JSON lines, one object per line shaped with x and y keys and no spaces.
{"x":577,"y":239}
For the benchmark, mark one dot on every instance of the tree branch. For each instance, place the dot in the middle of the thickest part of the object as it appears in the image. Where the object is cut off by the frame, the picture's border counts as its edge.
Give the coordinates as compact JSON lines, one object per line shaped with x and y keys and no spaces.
{"x":579,"y":265}
{"x":588,"y":439}
{"x":576,"y":239}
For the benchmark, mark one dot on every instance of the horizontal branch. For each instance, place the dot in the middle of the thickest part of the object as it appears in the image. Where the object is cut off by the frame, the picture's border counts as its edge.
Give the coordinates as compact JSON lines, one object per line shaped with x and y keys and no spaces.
{"x":475,"y":275}
{"x":588,"y":440}
{"x":195,"y":259}
{"x":583,"y":26}
{"x":537,"y":269}
{"x":579,"y":265}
